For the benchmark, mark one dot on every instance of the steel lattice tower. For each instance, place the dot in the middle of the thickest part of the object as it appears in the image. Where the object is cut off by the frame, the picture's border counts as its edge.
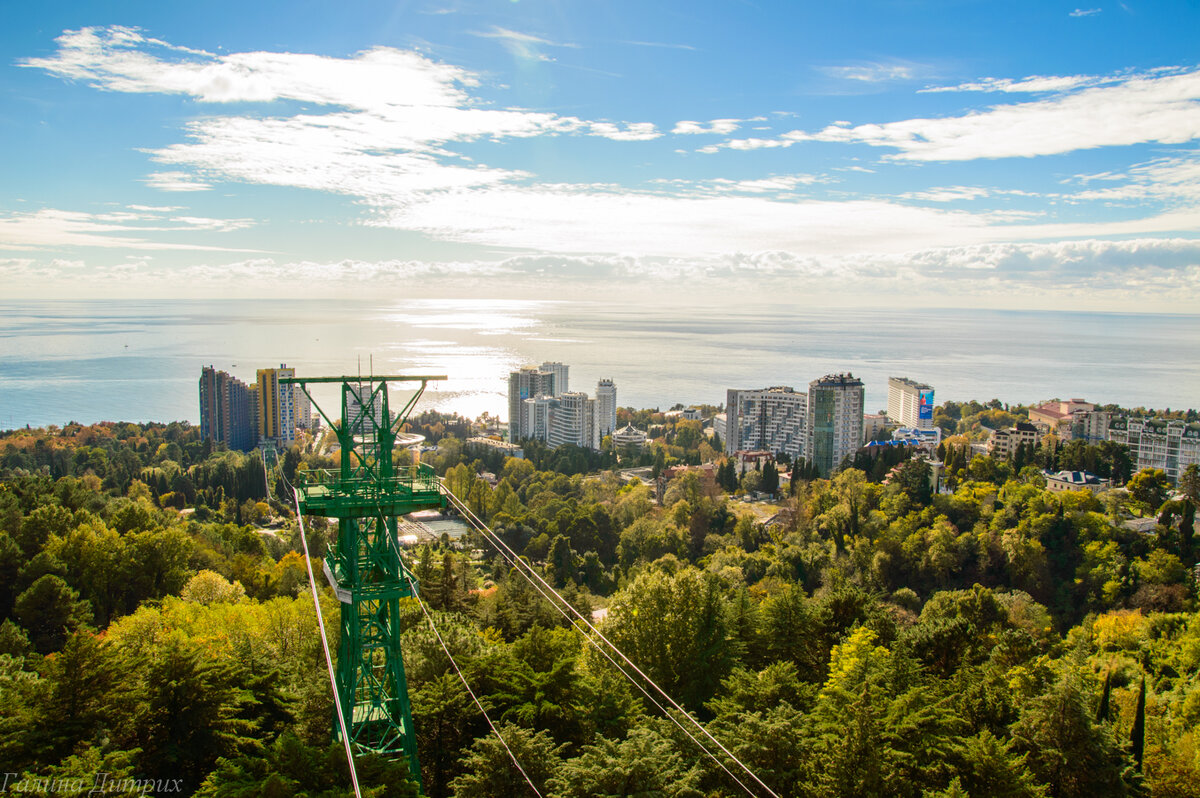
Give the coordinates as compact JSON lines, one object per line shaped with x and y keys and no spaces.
{"x":364,"y":566}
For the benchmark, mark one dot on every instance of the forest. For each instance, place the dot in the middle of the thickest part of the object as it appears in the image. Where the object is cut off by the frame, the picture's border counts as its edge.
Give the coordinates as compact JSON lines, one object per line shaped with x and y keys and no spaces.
{"x":865,"y":635}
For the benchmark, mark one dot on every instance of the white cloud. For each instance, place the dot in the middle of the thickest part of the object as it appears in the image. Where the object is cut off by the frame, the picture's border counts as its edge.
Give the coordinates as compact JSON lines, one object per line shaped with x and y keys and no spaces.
{"x":1086,"y":12}
{"x":390,"y":115}
{"x":635,"y":131}
{"x":1162,"y":108}
{"x":1172,"y":181}
{"x":947,"y":194}
{"x":522,"y":45}
{"x":720,"y":127}
{"x":1108,"y":273}
{"x":49,"y":228}
{"x":175,"y":181}
{"x":666,"y":45}
{"x":1035,"y":84}
{"x":871,"y":72}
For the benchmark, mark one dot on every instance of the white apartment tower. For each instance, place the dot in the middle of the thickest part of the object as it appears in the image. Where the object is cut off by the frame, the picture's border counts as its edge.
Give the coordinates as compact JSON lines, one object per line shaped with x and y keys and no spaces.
{"x":834,"y":426}
{"x":559,"y":371}
{"x":529,"y":382}
{"x":606,"y":411}
{"x":768,"y":419}
{"x":572,"y":420}
{"x":910,"y":403}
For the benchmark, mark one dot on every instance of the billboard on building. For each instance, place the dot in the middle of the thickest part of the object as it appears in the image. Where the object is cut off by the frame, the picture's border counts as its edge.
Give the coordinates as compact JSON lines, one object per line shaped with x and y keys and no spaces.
{"x":925,"y":411}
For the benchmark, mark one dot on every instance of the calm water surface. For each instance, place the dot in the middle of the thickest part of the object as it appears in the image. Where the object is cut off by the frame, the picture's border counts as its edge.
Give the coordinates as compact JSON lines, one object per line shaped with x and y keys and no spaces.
{"x":140,"y":360}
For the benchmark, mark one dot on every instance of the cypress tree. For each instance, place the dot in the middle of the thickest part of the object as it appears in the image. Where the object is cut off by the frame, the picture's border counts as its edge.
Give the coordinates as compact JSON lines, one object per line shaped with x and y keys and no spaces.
{"x":1102,"y":713}
{"x":1138,"y":735}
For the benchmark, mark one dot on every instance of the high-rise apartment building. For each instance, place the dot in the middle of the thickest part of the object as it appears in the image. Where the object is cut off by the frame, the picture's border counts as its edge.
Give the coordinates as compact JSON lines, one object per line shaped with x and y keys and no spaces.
{"x":225,"y":413}
{"x":277,"y":405}
{"x":834,"y":426}
{"x":572,"y":420}
{"x":535,"y":418}
{"x":910,"y":403}
{"x":769,"y":419}
{"x":529,"y":382}
{"x":559,"y":371}
{"x":606,"y":411}
{"x":364,"y":408}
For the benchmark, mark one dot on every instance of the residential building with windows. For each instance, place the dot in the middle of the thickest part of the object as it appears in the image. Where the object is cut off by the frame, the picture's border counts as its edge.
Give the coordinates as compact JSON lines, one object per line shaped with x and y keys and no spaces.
{"x":1158,"y":443}
{"x":606,"y":410}
{"x":364,"y":408}
{"x":225,"y":413}
{"x":529,"y":382}
{"x":1004,"y":442}
{"x":910,"y":403}
{"x":572,"y":420}
{"x":277,"y":405}
{"x":1090,"y":426}
{"x":560,"y":372}
{"x":873,"y":424}
{"x":834,"y":423}
{"x":629,"y":435}
{"x":1057,"y":417}
{"x":771,"y":419}
{"x":1075,"y":480}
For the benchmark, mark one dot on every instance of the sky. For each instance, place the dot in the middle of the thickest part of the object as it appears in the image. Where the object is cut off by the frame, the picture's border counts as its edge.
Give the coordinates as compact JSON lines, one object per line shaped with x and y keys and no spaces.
{"x":1028,"y":154}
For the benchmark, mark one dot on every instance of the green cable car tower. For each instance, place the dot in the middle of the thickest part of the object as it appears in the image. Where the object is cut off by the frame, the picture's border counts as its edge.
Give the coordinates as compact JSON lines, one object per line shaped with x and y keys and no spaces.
{"x":366,"y":495}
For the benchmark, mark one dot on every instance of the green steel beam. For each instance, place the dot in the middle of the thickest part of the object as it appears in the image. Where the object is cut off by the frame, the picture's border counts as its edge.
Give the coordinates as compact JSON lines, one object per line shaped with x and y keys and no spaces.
{"x":363,"y":378}
{"x":365,"y":566}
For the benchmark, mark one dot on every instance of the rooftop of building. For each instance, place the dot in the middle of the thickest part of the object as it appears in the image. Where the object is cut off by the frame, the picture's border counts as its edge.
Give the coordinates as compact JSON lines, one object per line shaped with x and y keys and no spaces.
{"x":846,"y":380}
{"x":1075,"y":477}
{"x":911,"y":383}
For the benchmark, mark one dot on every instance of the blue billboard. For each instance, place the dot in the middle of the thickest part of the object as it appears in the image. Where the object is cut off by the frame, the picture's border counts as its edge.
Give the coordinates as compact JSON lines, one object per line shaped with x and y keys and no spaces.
{"x":925,"y":411}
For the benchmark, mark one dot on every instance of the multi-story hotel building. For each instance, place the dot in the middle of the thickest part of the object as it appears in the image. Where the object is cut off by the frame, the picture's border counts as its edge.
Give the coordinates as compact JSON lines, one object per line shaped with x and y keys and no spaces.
{"x":767,"y":419}
{"x":910,"y":403}
{"x":834,"y":427}
{"x":1158,"y":443}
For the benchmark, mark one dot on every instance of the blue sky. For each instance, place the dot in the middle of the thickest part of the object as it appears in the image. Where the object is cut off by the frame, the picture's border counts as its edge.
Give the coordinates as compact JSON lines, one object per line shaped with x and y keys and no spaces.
{"x":1022,"y":154}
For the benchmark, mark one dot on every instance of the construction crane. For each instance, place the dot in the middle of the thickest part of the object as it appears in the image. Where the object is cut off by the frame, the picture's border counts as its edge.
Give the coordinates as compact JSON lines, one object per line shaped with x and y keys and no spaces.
{"x":364,"y":566}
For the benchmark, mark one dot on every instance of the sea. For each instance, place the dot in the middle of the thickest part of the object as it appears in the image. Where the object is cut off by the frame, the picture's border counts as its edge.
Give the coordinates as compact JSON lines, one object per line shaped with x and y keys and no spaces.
{"x":140,"y":360}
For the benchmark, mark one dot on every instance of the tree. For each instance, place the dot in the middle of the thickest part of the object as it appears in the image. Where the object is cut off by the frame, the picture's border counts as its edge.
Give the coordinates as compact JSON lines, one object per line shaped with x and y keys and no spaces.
{"x":1148,"y":489}
{"x":209,"y":587}
{"x":674,"y":627}
{"x":489,"y":772}
{"x":770,"y":478}
{"x":191,"y":715}
{"x":644,"y":763}
{"x":1065,"y":748}
{"x":50,"y":610}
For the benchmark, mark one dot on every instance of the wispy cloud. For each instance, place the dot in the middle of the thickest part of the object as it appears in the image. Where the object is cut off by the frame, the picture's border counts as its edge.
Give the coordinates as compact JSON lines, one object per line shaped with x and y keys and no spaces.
{"x":175,"y":181}
{"x":1112,"y":273}
{"x":1035,"y":84}
{"x":522,"y":45}
{"x":871,"y":72}
{"x":665,"y":45}
{"x":1086,"y":12}
{"x":1160,"y":106}
{"x":54,"y":228}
